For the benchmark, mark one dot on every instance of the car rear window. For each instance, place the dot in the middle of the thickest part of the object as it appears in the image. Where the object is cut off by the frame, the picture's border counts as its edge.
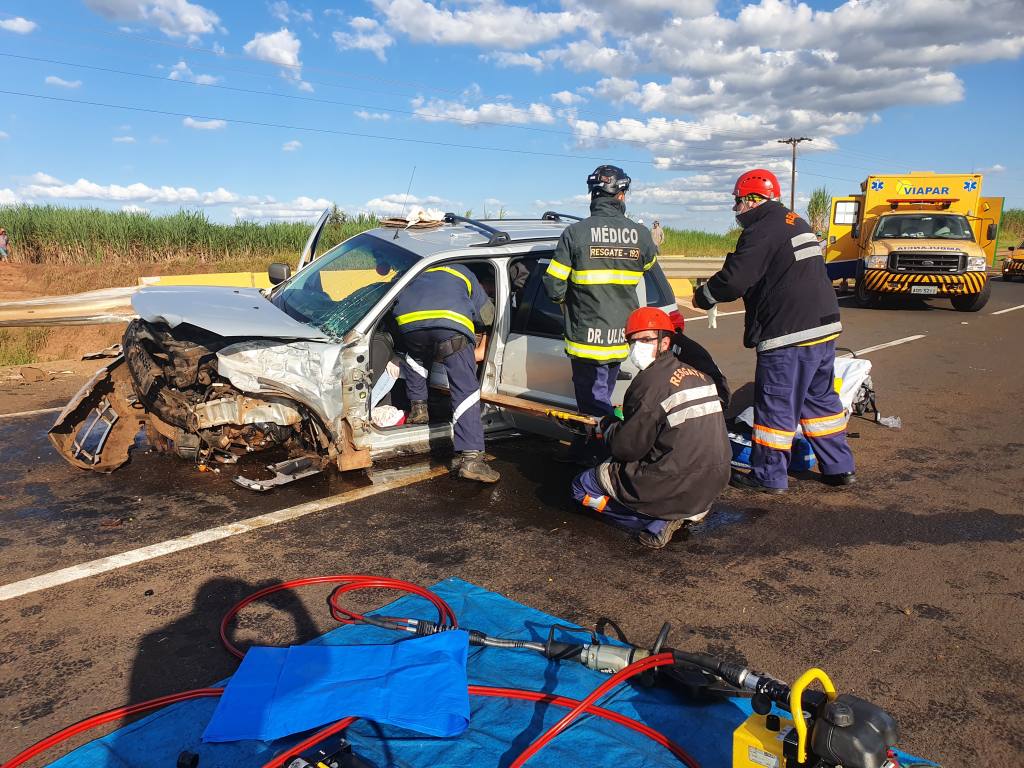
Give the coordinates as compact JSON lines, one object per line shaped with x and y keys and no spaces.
{"x":659,"y":291}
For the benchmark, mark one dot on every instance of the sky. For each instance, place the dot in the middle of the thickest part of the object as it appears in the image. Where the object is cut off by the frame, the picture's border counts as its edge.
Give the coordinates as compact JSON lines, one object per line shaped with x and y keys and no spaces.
{"x":273,"y":110}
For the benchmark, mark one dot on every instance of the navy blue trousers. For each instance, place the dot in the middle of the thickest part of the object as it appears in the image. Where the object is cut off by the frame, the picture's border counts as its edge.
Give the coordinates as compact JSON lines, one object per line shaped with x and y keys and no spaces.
{"x":588,"y":491}
{"x":594,"y":383}
{"x":460,"y":369}
{"x":795,"y":385}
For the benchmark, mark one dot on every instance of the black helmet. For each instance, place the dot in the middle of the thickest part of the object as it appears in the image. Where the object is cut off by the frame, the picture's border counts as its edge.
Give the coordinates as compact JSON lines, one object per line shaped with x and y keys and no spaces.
{"x":607,"y":180}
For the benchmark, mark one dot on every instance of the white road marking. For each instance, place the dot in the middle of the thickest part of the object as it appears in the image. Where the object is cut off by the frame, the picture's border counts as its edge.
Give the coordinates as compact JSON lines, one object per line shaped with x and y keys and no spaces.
{"x":720,"y":314}
{"x":396,"y":479}
{"x":1011,"y":309}
{"x":29,"y":413}
{"x":875,"y":348}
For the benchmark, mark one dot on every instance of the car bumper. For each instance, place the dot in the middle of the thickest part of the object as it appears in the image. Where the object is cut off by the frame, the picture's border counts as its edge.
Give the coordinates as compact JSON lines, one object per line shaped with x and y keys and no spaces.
{"x":882,"y":281}
{"x":1013,"y":268}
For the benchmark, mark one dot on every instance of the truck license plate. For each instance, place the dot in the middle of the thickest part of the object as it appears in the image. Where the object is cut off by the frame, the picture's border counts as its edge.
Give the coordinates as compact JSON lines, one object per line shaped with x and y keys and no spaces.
{"x":927,"y":290}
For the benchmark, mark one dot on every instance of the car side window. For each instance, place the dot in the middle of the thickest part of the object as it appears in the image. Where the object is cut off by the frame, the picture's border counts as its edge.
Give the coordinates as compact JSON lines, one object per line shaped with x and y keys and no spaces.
{"x":538,"y":315}
{"x":659,"y":291}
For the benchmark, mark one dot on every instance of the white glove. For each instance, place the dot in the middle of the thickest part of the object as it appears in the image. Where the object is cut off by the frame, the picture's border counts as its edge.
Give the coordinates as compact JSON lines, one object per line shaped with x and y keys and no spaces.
{"x":713,"y":316}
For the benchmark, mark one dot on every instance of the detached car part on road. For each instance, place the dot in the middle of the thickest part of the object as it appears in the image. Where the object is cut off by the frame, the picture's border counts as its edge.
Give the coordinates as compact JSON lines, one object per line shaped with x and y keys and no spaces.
{"x":214,"y":373}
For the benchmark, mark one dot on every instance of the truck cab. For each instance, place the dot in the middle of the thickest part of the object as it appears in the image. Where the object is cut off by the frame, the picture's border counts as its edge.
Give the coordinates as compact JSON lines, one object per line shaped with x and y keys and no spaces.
{"x":921,"y":234}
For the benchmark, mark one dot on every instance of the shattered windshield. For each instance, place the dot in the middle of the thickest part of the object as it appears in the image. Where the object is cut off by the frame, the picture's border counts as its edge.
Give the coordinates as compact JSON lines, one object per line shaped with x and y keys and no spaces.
{"x":939,"y":226}
{"x":340,"y":287}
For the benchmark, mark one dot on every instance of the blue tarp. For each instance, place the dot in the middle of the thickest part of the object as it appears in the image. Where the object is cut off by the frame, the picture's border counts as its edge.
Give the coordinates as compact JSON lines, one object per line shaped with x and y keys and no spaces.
{"x":277,"y":692}
{"x":499,"y":729}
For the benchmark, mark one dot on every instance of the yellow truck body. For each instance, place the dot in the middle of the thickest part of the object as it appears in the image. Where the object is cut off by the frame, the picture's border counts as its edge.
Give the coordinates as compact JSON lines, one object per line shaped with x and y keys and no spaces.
{"x":920,"y":233}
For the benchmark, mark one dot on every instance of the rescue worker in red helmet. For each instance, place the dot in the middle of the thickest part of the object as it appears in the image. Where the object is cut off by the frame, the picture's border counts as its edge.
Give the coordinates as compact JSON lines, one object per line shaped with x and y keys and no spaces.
{"x":792,"y":320}
{"x":670,"y":454}
{"x":593,"y":274}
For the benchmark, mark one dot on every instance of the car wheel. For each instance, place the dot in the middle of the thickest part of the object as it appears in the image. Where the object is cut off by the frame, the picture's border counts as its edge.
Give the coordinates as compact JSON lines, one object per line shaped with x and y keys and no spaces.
{"x":863,"y":297}
{"x":972,"y":302}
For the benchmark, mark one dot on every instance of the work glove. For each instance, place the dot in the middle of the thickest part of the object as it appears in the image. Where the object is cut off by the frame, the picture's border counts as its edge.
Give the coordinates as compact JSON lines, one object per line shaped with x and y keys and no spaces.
{"x":713,"y":316}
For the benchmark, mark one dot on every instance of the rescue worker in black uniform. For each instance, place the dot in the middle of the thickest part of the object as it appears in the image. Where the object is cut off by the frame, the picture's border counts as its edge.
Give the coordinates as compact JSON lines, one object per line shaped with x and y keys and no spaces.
{"x":792,"y":319}
{"x":437,"y":316}
{"x":670,"y":455}
{"x":593,"y":274}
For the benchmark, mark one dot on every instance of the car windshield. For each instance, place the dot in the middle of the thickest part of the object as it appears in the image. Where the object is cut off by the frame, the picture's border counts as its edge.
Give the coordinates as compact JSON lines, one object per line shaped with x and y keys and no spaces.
{"x":941,"y":226}
{"x":340,"y":287}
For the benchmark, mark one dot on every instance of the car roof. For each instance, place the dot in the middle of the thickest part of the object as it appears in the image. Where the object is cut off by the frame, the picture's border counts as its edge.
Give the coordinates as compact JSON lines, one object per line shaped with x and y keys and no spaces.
{"x":475,"y":234}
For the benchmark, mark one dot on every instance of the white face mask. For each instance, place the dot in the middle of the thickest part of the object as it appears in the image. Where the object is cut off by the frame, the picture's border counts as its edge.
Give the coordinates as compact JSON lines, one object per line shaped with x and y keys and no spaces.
{"x":642,"y":353}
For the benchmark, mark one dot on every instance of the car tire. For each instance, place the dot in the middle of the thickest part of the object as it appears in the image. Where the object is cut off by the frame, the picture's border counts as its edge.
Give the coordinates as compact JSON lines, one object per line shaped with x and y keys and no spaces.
{"x":863,"y":297}
{"x":972,"y":302}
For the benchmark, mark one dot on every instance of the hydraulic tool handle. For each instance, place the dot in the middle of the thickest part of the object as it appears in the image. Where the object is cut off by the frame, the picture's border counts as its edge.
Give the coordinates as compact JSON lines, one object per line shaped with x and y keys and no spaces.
{"x":796,"y":706}
{"x":569,"y":416}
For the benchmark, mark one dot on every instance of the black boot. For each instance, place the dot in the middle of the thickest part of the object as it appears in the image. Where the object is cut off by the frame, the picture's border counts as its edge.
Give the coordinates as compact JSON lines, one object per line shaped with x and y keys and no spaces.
{"x":471,"y":466}
{"x":418,"y":413}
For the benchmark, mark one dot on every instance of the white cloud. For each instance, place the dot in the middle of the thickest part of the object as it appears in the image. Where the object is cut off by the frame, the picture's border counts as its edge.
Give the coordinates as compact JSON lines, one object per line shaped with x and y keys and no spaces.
{"x":366,"y":35}
{"x":175,"y":18}
{"x":501,"y":113}
{"x":487,"y":25}
{"x":4,"y":135}
{"x":18,"y":25}
{"x":181,"y":71}
{"x":291,"y":146}
{"x":506,"y":59}
{"x":568,"y":98}
{"x":299,"y":209}
{"x":42,"y":186}
{"x":362,"y":114}
{"x":282,"y":11}
{"x":132,"y":208}
{"x":204,"y":125}
{"x":8,"y":197}
{"x":124,"y":139}
{"x":62,"y":83}
{"x":281,"y":47}
{"x":394,"y":204}
{"x":997,"y":168}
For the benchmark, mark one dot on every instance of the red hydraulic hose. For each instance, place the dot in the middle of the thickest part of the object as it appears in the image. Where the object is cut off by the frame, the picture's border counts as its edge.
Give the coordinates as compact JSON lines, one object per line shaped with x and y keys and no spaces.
{"x":105,"y":717}
{"x":349,"y":583}
{"x":660,"y":660}
{"x":309,"y":743}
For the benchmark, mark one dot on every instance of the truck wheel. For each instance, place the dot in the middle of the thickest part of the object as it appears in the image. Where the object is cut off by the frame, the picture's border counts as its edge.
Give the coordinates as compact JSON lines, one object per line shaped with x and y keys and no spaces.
{"x":863,"y":297}
{"x":972,"y":302}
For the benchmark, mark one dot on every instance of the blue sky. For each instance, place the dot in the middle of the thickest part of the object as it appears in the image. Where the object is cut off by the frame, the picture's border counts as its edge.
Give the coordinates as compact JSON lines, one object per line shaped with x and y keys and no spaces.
{"x":268,"y":110}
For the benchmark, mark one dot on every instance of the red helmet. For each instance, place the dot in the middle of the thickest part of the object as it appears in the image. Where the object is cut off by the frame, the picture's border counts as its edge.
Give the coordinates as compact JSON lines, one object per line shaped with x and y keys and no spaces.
{"x":758,"y":182}
{"x":649,"y":319}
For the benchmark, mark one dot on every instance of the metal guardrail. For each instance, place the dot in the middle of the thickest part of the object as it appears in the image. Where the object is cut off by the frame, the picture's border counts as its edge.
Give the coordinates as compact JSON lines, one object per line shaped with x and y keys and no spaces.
{"x":691,"y":267}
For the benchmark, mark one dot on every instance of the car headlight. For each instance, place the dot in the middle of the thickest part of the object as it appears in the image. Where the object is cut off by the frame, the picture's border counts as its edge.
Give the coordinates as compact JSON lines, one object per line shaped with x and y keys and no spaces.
{"x":878,"y":261}
{"x":977,"y":264}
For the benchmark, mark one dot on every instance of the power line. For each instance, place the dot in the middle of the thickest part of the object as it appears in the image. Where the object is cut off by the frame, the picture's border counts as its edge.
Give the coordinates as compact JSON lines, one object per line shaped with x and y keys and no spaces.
{"x":329,"y":131}
{"x":793,"y":141}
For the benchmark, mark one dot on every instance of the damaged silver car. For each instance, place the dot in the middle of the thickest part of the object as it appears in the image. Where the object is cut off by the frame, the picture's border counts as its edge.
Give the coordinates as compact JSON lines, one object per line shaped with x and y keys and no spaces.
{"x":310,"y":366}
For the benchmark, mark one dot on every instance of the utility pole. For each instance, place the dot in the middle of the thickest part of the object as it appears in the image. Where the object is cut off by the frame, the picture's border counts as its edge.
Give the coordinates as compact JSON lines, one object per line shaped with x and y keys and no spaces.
{"x":793,"y":141}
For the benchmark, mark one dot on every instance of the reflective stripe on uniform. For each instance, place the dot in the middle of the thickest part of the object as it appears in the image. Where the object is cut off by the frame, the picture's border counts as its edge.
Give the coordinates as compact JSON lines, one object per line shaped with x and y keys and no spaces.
{"x":825,"y":425}
{"x":465,"y":405}
{"x":707,"y":294}
{"x":416,"y":367}
{"x":436,"y":314}
{"x":604,"y":276}
{"x":833,"y":337}
{"x":597,"y":503}
{"x":779,"y":439}
{"x":688,"y":395}
{"x":694,"y":411}
{"x":651,"y":263}
{"x":792,"y":339}
{"x":591,"y":352}
{"x":456,"y":273}
{"x":559,"y":270}
{"x":806,"y":237}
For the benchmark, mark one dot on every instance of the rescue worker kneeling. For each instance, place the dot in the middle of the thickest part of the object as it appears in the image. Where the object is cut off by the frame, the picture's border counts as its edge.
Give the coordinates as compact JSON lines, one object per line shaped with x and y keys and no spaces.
{"x":670,"y":455}
{"x":437,"y":316}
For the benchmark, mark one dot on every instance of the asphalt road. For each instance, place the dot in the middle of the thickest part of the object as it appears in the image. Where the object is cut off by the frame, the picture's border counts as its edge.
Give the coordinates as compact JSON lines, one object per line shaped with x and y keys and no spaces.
{"x":908,"y":588}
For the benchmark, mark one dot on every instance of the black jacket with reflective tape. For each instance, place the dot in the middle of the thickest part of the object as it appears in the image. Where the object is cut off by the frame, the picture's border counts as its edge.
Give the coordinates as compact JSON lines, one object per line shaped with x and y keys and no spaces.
{"x":448,"y":297}
{"x":670,"y":454}
{"x":779,"y":271}
{"x":594,"y":273}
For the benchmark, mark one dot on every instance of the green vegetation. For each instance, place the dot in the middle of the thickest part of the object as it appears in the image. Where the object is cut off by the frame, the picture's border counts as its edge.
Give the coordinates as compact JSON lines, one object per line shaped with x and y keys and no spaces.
{"x":80,"y":236}
{"x":20,"y":346}
{"x":693,"y":242}
{"x":1011,"y":231}
{"x":819,"y":207}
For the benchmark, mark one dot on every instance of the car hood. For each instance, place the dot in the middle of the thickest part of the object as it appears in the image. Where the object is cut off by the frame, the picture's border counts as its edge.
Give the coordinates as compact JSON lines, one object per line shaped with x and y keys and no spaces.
{"x":228,"y":312}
